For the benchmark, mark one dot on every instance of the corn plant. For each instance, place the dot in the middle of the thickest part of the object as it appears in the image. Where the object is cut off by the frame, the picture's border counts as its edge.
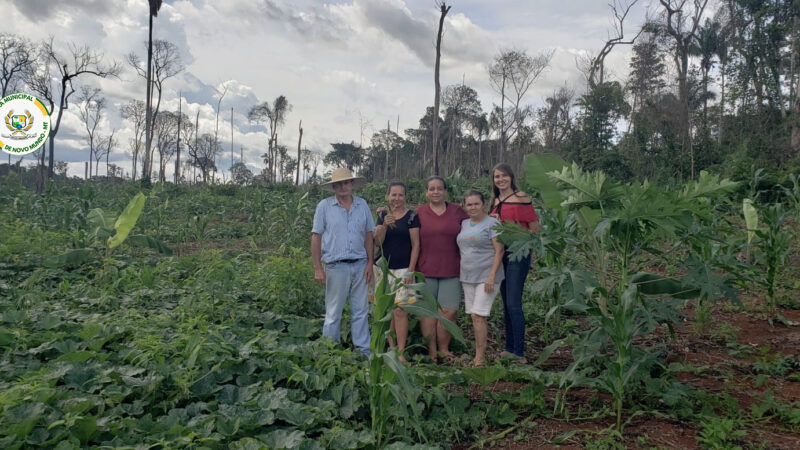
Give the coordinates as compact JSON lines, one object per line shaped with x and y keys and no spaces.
{"x":394,"y":390}
{"x":793,"y":194}
{"x":617,"y":231}
{"x":774,"y":242}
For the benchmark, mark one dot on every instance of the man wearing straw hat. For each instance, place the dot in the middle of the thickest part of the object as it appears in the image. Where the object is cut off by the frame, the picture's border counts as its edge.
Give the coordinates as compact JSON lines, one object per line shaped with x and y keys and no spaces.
{"x":341,"y":240}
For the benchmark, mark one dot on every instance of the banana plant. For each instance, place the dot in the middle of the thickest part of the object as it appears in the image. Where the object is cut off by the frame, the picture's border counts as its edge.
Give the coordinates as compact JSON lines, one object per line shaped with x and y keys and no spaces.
{"x":109,"y":233}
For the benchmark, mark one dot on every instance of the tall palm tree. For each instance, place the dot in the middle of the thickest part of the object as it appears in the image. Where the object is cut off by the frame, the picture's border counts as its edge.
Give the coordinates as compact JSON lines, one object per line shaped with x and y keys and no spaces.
{"x":706,"y":45}
{"x":155,"y":5}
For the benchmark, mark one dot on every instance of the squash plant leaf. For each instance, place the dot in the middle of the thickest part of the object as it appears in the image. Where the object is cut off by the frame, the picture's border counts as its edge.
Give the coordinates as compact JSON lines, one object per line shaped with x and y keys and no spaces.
{"x":142,"y":240}
{"x":484,"y":375}
{"x":72,"y":258}
{"x":284,"y":438}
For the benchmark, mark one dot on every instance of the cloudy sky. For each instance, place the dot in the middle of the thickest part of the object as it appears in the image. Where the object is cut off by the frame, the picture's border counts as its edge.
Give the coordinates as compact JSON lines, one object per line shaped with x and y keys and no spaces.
{"x":338,"y":62}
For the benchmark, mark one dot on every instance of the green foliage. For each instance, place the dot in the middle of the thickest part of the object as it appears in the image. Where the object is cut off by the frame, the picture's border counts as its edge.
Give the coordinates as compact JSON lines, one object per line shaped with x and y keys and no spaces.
{"x":720,"y":433}
{"x":281,"y":284}
{"x":126,"y":220}
{"x":394,"y":389}
{"x":537,"y":167}
{"x":615,"y":231}
{"x":775,"y":247}
{"x":218,"y":347}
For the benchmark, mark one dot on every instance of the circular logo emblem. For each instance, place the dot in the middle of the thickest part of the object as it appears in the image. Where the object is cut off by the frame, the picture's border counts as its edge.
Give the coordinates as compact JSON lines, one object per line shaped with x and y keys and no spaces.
{"x":26,"y":124}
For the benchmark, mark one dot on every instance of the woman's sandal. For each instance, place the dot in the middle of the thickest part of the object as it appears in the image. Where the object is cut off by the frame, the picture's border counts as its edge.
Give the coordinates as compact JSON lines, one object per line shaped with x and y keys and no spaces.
{"x":448,"y":358}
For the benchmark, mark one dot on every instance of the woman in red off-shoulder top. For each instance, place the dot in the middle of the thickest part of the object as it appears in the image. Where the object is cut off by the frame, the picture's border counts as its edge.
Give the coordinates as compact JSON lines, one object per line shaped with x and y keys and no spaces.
{"x":512,"y":205}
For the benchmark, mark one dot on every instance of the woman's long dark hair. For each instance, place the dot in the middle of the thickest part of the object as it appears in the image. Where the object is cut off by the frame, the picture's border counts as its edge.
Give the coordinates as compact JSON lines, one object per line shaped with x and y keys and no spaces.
{"x":506,"y":169}
{"x":396,"y":183}
{"x":435,"y":177}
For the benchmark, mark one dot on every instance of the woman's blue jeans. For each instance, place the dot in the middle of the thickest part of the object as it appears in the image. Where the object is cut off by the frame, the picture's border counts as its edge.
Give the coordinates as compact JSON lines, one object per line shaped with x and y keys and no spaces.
{"x":511,"y":291}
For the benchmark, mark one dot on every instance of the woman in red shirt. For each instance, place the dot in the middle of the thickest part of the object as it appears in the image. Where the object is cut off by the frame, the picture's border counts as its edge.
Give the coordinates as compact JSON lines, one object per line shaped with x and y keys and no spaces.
{"x":512,"y":205}
{"x":439,"y":260}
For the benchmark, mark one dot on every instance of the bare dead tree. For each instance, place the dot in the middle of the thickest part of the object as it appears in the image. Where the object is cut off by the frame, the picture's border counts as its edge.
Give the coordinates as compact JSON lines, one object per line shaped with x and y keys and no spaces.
{"x":166,"y":131}
{"x":91,"y":106}
{"x":105,"y":146}
{"x":511,"y":75}
{"x":16,"y":58}
{"x":220,"y":92}
{"x":364,"y":123}
{"x":596,"y":69}
{"x":178,"y":138}
{"x":111,"y":145}
{"x":299,"y":159}
{"x":203,"y":153}
{"x":166,"y":64}
{"x":681,"y":21}
{"x":155,"y":5}
{"x":134,"y":111}
{"x":443,"y":9}
{"x":54,"y":65}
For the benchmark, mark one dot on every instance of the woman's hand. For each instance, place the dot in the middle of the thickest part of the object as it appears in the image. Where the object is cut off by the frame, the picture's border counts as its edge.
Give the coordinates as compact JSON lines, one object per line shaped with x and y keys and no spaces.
{"x":488,"y":286}
{"x":389,"y":221}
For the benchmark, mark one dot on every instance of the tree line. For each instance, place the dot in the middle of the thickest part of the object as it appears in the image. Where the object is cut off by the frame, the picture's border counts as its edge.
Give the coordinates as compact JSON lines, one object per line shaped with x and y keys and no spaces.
{"x":705,"y":89}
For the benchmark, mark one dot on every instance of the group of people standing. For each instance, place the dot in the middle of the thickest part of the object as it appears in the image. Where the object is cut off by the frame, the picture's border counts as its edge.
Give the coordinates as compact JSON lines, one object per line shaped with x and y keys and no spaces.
{"x":454,"y":246}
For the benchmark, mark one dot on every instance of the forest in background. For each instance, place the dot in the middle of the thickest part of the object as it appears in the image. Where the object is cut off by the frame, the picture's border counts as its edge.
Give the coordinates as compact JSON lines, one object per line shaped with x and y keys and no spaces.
{"x":710,"y":86}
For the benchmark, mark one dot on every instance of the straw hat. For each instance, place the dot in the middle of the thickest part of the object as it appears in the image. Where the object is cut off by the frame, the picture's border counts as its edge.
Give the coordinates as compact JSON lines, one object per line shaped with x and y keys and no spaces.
{"x":343,"y":174}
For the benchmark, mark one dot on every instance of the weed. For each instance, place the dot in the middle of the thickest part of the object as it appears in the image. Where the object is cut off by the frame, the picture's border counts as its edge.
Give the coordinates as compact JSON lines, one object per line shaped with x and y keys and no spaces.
{"x":720,"y":433}
{"x":725,"y":332}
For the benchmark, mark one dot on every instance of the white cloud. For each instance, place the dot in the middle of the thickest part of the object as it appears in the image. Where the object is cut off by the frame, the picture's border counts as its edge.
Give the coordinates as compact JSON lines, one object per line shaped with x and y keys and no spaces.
{"x":335,"y":61}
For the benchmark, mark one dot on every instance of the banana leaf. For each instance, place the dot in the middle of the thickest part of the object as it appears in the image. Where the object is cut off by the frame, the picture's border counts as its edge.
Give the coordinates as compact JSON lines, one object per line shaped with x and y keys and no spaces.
{"x":126,"y":221}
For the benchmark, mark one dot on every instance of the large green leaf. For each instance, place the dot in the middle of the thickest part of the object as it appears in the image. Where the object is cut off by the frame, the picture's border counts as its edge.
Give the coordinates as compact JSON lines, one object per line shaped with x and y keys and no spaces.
{"x":536,"y":169}
{"x":428,"y":307}
{"x":652,"y":284}
{"x":593,"y":189}
{"x":100,"y":224}
{"x":126,"y":221}
{"x":484,"y":375}
{"x":707,"y":185}
{"x":283,"y":438}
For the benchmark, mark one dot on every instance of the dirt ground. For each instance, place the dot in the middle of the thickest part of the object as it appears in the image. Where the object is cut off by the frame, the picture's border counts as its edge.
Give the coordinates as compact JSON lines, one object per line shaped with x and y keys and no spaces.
{"x":711,"y":365}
